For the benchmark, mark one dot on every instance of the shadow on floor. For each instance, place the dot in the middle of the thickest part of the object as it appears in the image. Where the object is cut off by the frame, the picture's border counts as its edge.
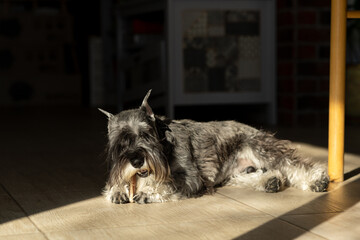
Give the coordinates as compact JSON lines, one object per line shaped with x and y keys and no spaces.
{"x":49,"y":158}
{"x":345,"y":197}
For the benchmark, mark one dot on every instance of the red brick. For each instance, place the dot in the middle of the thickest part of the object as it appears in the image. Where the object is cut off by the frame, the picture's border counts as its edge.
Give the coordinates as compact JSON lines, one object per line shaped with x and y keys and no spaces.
{"x":322,"y":102}
{"x":286,"y":102}
{"x":285,"y":19}
{"x":324,"y":68}
{"x":307,"y":86}
{"x":313,"y":101}
{"x":306,"y":52}
{"x":286,"y":85}
{"x":285,"y":52}
{"x":324,"y":52}
{"x":314,"y":35}
{"x":313,"y":69}
{"x":285,"y":68}
{"x":284,"y":3}
{"x":324,"y":85}
{"x":306,"y":102}
{"x":324,"y":118}
{"x":307,"y":119}
{"x":314,"y":3}
{"x":324,"y":18}
{"x":286,"y":118}
{"x":285,"y":35}
{"x":306,"y":17}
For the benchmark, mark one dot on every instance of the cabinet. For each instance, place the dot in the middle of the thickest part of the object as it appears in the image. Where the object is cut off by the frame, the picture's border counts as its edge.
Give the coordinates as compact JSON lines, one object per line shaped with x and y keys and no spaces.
{"x":198,"y":52}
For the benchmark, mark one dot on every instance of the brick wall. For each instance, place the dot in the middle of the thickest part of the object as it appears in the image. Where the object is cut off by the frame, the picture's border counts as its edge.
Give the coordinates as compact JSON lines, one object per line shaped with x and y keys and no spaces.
{"x":303,"y":42}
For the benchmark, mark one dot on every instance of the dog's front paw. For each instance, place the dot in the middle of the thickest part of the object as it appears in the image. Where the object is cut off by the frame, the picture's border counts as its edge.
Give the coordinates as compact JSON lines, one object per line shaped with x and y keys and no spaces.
{"x":119,"y":198}
{"x":141,"y":198}
{"x":273,"y":185}
{"x":320,"y":185}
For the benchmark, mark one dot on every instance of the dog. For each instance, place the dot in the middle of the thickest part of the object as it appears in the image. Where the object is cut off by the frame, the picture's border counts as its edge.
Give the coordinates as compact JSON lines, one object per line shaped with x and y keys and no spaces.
{"x":179,"y":159}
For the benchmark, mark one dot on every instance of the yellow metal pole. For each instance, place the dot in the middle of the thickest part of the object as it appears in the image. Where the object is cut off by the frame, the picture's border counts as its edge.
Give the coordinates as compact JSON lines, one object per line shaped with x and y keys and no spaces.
{"x":337,"y":90}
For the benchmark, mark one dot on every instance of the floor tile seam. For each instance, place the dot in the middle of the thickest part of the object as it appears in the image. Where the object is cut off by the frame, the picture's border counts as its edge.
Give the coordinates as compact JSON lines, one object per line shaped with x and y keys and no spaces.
{"x":295,"y":214}
{"x":57,"y":191}
{"x":22,"y":234}
{"x":207,"y":219}
{"x":302,"y":228}
{"x":145,"y":225}
{"x":18,"y":233}
{"x":237,"y":201}
{"x":285,"y":214}
{"x":22,"y":209}
{"x":312,"y":214}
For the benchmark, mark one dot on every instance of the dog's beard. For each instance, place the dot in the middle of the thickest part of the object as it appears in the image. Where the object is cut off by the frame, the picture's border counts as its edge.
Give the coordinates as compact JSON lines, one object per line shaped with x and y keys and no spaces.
{"x":158,"y":166}
{"x":123,"y":171}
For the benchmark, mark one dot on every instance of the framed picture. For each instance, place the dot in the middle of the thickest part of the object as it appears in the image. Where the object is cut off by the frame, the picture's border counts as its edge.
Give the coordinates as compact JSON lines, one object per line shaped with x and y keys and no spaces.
{"x":222,"y":51}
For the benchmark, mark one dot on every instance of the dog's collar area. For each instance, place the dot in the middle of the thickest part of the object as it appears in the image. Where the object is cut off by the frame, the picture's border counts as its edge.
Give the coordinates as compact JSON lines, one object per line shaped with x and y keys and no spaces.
{"x":143,"y":173}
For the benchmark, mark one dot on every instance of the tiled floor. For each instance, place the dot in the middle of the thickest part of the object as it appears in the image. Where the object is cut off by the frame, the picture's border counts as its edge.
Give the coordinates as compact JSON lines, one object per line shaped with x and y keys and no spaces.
{"x":52,"y":172}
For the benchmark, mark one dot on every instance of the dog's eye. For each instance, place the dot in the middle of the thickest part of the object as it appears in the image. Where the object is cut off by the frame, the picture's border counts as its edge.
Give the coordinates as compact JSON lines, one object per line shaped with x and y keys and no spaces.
{"x":144,"y":135}
{"x":126,"y":137}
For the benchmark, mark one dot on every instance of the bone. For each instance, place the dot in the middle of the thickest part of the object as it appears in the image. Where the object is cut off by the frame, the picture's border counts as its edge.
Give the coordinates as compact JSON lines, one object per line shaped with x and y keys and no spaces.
{"x":132,"y":188}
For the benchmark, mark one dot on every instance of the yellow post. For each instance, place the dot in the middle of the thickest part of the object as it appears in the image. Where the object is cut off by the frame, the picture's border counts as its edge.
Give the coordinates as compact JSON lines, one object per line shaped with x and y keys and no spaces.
{"x":337,"y":90}
{"x":353,"y":14}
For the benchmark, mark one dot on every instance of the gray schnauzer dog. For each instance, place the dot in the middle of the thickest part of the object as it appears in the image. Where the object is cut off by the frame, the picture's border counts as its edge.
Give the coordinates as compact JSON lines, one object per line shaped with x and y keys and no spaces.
{"x":177,"y":159}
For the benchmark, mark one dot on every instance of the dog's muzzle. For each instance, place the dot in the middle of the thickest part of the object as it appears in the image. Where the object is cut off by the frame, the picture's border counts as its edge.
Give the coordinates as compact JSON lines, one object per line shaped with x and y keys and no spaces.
{"x":137,"y":163}
{"x":136,"y":158}
{"x":143,"y":173}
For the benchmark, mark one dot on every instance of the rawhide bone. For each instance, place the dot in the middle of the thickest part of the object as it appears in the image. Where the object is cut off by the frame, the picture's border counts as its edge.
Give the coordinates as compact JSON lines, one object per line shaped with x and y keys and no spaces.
{"x":132,"y":188}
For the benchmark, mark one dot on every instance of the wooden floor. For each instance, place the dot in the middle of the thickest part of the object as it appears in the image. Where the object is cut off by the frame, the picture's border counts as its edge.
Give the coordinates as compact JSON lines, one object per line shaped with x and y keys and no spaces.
{"x":52,"y":171}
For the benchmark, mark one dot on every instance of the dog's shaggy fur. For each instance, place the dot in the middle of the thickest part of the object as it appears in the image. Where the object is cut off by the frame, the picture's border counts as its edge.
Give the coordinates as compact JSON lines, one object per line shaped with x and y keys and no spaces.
{"x":176,"y":159}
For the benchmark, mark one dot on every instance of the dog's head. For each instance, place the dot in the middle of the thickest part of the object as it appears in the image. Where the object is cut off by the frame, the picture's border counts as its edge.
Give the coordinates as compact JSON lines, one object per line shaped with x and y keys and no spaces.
{"x":135,"y":144}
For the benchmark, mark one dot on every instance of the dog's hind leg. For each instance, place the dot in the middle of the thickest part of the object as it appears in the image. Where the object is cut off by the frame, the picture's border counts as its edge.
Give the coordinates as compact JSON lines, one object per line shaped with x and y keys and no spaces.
{"x":250,"y":171}
{"x":300,"y":172}
{"x":261,"y":180}
{"x":306,"y":174}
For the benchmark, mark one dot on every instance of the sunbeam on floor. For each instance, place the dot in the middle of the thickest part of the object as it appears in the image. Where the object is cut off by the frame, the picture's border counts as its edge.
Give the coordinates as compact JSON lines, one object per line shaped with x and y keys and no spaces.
{"x":53,"y":173}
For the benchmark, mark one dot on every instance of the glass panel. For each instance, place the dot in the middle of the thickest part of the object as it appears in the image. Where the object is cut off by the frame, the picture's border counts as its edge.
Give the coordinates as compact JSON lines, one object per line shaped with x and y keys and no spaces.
{"x":221,"y":51}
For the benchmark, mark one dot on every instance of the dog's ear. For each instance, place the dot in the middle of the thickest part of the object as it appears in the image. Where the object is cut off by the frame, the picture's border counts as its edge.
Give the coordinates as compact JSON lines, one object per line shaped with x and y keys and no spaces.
{"x":109,"y":115}
{"x":161,"y":127}
{"x":146,"y":107}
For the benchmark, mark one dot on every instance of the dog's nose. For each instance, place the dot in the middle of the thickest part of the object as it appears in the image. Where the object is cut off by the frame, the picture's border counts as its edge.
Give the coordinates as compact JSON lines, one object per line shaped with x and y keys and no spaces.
{"x":137,"y":162}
